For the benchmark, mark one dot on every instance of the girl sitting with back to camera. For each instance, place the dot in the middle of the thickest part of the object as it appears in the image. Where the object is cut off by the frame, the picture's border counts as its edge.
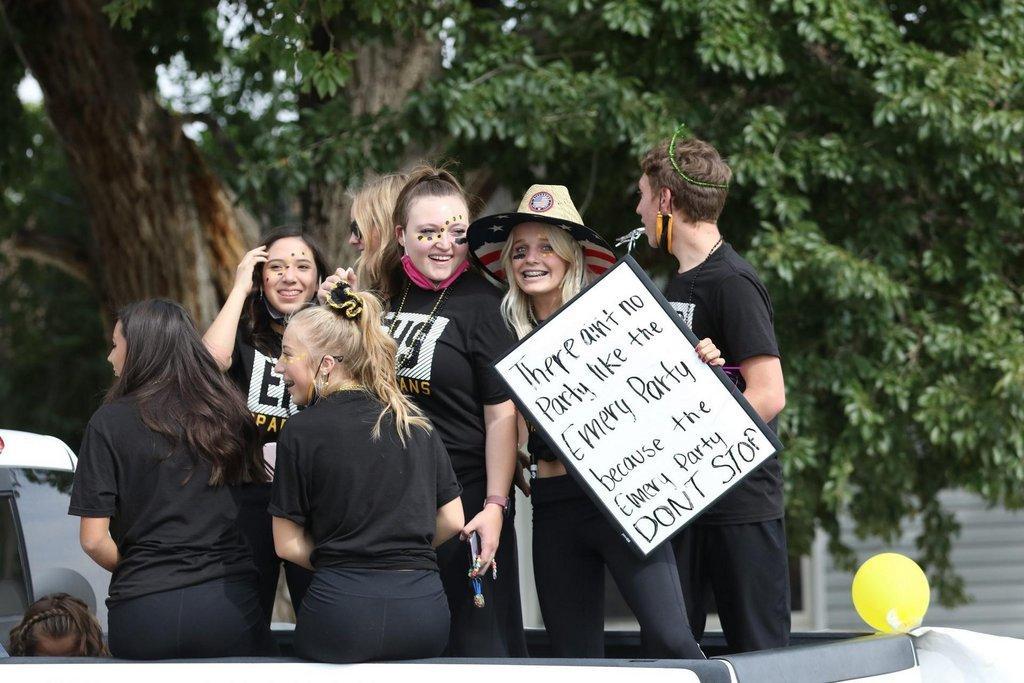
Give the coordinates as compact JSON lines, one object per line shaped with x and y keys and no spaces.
{"x":156,"y":486}
{"x":364,"y":491}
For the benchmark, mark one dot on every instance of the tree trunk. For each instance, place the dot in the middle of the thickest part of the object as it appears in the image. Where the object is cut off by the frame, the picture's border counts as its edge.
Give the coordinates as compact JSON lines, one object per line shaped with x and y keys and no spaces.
{"x":162,"y":223}
{"x":383,"y":77}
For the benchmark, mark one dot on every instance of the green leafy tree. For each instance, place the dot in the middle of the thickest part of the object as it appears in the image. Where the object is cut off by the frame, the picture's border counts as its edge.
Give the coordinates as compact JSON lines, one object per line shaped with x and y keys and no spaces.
{"x":877,"y":158}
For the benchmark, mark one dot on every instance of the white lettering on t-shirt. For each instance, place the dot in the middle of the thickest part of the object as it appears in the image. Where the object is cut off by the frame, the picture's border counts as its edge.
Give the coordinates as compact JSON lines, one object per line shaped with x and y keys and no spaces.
{"x":420,"y":363}
{"x":685,"y":311}
{"x":267,"y":393}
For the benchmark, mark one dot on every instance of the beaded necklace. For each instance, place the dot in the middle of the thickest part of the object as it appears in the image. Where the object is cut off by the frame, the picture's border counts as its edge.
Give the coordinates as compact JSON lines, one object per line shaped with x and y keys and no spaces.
{"x":405,"y":358}
{"x":693,"y":282}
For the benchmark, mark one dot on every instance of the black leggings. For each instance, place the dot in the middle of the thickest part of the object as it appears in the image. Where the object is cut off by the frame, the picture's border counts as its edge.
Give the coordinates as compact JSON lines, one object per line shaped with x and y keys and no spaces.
{"x":360,"y":615}
{"x":256,"y":525}
{"x":220,"y":618}
{"x":745,"y":566}
{"x":495,"y":630}
{"x":572,"y":544}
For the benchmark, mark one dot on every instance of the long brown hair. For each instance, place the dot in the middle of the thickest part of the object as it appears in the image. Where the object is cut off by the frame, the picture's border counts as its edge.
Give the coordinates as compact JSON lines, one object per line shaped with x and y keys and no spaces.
{"x":181,"y":393}
{"x":366,"y":350}
{"x":424,"y":180}
{"x":373,"y":208}
{"x":256,"y":321}
{"x":57,"y":616}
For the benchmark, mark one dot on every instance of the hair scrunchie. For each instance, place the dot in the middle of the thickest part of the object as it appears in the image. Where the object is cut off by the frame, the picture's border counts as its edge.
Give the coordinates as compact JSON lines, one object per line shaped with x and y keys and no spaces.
{"x":345,"y":301}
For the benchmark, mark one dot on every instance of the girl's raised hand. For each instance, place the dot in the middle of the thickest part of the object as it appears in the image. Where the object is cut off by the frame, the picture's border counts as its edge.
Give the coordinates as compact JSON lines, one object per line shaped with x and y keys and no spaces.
{"x":243,"y":274}
{"x":340,"y":275}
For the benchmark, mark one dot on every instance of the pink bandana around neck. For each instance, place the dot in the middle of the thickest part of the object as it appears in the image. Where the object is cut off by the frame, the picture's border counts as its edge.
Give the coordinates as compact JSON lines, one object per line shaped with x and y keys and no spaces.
{"x":423,"y":282}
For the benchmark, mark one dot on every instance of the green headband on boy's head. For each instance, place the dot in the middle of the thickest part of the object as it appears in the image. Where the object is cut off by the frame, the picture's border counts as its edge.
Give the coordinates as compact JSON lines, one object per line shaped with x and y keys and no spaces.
{"x":685,"y":132}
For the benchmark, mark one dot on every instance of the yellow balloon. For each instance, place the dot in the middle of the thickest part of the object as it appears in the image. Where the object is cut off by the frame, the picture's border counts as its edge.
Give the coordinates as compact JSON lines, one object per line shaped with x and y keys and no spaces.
{"x":890,"y":593}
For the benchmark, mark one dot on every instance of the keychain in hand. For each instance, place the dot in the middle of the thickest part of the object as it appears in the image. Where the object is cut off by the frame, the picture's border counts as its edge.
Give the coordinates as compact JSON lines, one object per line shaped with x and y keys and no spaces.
{"x":475,"y":563}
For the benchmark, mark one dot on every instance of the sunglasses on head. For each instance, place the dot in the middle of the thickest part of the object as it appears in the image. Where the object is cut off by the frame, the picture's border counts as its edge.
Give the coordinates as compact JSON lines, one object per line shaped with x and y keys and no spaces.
{"x":354,"y":229}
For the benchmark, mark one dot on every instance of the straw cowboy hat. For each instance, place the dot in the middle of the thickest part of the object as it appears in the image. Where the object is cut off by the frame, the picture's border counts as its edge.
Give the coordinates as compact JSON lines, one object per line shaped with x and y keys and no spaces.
{"x":549,"y":204}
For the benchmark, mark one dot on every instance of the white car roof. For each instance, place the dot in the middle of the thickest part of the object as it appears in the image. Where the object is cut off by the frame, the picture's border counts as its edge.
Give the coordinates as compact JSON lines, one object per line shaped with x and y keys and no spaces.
{"x":35,"y":451}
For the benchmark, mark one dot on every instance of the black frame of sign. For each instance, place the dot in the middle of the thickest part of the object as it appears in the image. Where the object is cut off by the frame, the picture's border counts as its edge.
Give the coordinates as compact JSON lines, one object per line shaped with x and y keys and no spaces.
{"x":570,"y":466}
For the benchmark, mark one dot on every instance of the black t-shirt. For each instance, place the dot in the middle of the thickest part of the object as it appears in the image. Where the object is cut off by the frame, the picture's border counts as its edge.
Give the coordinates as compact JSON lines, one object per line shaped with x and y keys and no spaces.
{"x":450,"y":378}
{"x":268,"y":399}
{"x":367,"y":504}
{"x":732,"y":307}
{"x":172,"y":529}
{"x":537,"y":446}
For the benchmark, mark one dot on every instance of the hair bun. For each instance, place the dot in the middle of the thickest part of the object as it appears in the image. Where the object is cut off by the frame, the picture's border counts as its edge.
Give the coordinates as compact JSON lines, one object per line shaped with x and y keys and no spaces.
{"x":345,"y":301}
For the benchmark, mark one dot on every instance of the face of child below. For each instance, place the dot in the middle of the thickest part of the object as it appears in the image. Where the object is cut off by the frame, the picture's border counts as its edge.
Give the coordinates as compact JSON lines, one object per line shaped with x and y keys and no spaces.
{"x":289,"y":275}
{"x":537,"y":269}
{"x":647,"y":209}
{"x":61,"y":646}
{"x":118,"y":350}
{"x":294,"y":365}
{"x":435,"y":238}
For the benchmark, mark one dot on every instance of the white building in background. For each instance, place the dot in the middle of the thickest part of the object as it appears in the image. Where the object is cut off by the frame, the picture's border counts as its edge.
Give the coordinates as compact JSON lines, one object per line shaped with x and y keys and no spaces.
{"x":988,"y":554}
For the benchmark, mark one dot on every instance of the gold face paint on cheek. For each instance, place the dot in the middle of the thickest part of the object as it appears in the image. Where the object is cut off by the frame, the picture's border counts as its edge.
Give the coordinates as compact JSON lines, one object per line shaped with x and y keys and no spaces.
{"x":430,"y":237}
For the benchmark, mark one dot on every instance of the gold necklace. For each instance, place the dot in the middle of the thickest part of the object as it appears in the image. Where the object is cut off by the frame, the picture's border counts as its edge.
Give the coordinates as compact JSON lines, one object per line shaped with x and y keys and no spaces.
{"x":348,"y":385}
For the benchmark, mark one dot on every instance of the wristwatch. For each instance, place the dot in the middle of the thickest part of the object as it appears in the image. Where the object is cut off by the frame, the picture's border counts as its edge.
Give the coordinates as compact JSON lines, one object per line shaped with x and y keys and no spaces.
{"x":500,"y":501}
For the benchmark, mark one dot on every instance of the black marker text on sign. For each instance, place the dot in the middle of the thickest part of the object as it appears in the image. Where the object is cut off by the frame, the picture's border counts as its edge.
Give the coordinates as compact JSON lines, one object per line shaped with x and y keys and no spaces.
{"x":615,"y":386}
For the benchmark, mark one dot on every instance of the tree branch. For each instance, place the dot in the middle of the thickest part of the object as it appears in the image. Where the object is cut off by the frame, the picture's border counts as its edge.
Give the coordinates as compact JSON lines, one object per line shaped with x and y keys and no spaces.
{"x":60,"y":253}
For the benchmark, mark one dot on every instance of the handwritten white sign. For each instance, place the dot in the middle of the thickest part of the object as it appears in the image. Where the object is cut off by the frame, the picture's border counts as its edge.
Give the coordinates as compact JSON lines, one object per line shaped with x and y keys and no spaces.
{"x":613,"y":384}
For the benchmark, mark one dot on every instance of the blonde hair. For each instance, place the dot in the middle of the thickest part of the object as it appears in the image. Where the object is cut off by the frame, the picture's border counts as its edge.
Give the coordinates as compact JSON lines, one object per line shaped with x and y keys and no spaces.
{"x":515,"y":305}
{"x":365,"y":350}
{"x":372,"y":210}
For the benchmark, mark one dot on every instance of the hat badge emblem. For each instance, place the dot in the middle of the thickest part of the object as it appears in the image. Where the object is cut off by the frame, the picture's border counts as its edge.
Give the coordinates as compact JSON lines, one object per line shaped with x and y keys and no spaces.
{"x":541,"y":202}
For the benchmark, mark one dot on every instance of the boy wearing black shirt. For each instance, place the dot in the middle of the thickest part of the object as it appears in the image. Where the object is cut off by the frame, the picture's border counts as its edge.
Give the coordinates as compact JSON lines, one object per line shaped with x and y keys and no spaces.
{"x":737,"y":548}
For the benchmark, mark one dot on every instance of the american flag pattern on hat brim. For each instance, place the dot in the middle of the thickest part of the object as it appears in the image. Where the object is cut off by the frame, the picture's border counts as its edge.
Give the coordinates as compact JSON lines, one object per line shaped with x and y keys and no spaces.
{"x":548,"y":204}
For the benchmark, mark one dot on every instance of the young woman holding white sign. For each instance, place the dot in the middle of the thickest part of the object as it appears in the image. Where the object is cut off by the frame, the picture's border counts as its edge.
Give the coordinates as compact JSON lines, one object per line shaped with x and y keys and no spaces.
{"x":546,"y":255}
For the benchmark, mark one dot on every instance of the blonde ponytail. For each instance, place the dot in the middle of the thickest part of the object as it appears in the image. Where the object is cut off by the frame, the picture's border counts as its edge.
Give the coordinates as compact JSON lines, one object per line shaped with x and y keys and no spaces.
{"x":348,"y":325}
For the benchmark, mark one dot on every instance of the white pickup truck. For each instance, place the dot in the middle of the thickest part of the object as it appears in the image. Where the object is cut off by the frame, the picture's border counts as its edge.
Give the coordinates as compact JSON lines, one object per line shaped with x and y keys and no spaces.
{"x":39,"y":554}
